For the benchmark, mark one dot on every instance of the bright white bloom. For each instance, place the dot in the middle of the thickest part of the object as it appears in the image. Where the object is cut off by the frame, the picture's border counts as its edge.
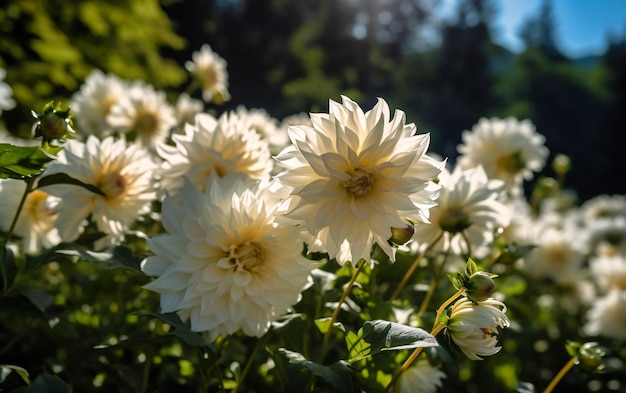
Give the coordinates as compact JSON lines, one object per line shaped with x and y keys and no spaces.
{"x":210,"y":70}
{"x":609,"y":272}
{"x":607,"y":316}
{"x":36,"y":222}
{"x":225,"y":264}
{"x":92,"y":103}
{"x":267,"y":126}
{"x":124,"y":173}
{"x":186,"y":110}
{"x":353,"y":176}
{"x":508,"y":149}
{"x":607,"y":237}
{"x":144,"y":113}
{"x":474,"y":327}
{"x":6,"y":93}
{"x":469,"y":209}
{"x":221,"y":146}
{"x":296,"y":119}
{"x":559,"y":251}
{"x":604,"y":207}
{"x":421,"y":377}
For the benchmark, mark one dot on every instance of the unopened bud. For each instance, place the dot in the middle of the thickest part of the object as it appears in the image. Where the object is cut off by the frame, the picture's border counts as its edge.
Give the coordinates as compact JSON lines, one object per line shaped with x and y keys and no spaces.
{"x":561,"y":164}
{"x":400,"y":236}
{"x":479,"y":287}
{"x":53,"y":123}
{"x":590,"y":357}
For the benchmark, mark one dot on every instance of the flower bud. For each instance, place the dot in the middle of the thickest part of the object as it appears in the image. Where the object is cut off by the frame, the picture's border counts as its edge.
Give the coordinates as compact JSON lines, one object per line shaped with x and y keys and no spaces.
{"x":400,"y":236}
{"x":561,"y":164}
{"x":53,"y":123}
{"x":479,"y":287}
{"x":590,"y":357}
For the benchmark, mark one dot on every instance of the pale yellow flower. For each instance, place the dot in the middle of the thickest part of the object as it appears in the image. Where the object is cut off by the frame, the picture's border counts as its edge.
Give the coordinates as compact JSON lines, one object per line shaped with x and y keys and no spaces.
{"x":353,"y":176}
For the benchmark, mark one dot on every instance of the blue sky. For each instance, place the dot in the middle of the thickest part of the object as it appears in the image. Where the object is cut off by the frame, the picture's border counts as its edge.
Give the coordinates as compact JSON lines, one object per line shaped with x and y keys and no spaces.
{"x":582,"y":25}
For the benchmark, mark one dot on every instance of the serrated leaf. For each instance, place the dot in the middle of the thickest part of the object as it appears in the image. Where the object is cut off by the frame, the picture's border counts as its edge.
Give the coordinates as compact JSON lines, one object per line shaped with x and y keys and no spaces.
{"x":182,"y":331}
{"x":337,"y":375}
{"x":63,"y":178}
{"x":358,"y":348}
{"x":391,"y":336}
{"x":324,"y":323}
{"x":22,"y":162}
{"x":45,"y":383}
{"x":455,"y":281}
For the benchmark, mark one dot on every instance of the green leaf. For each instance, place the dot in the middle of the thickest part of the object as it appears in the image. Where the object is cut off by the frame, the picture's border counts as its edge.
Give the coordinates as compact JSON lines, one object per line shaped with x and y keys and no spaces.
{"x":182,"y":331}
{"x":358,"y":348}
{"x":45,"y":383}
{"x":63,"y":178}
{"x":391,"y":336}
{"x":324,"y":323}
{"x":470,"y":267}
{"x":337,"y":375}
{"x":8,"y":368}
{"x":118,"y":257}
{"x":22,"y":162}
{"x":453,"y":277}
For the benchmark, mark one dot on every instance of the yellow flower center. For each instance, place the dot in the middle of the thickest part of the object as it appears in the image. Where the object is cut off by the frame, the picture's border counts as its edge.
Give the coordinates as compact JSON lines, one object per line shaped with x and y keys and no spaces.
{"x":112,"y":184}
{"x":360,"y":183}
{"x":510,"y":163}
{"x":146,"y":122}
{"x":247,"y":256}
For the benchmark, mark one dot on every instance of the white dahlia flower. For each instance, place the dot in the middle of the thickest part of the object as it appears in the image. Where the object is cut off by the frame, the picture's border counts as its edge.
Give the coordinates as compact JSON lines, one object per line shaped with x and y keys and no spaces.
{"x":473,"y":327}
{"x":353,"y":176}
{"x":225,"y":264}
{"x":6,"y":93}
{"x":604,"y":207}
{"x":421,"y":377}
{"x":469,"y":210}
{"x":124,"y":173}
{"x":507,"y":149}
{"x":35,"y":224}
{"x":609,"y":272}
{"x":267,"y":126}
{"x":221,"y":146}
{"x":92,"y":103}
{"x":210,"y":70}
{"x":607,"y":316}
{"x":186,"y":110}
{"x":143,"y":114}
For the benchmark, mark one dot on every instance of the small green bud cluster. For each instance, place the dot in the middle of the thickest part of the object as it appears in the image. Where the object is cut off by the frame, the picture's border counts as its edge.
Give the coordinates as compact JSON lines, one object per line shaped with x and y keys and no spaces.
{"x":479,"y":285}
{"x":53,"y":123}
{"x":589,"y":356}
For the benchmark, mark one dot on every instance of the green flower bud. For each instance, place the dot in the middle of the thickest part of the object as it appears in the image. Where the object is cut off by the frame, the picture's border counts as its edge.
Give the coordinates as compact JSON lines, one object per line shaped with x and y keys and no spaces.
{"x":53,"y":123}
{"x":590,"y":357}
{"x":400,"y":236}
{"x":561,"y":164}
{"x":454,"y":220}
{"x":479,"y":287}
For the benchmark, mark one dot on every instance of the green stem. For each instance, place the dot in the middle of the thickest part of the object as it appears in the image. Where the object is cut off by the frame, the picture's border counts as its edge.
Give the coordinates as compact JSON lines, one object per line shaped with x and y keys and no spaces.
{"x":335,"y":315}
{"x":437,"y":327}
{"x":414,"y":266}
{"x":251,"y":358}
{"x":557,"y":378}
{"x":146,"y":372}
{"x":433,"y":285}
{"x":7,"y":238}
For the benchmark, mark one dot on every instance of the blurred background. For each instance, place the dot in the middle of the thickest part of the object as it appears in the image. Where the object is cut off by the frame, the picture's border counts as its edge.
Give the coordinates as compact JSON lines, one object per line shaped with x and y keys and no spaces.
{"x":446,"y":63}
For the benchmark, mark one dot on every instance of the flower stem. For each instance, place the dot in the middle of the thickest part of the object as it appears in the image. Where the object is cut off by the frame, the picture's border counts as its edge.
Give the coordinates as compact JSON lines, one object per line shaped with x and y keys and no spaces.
{"x":433,"y":285}
{"x":335,"y":315}
{"x":246,"y":368}
{"x":414,"y":266}
{"x":557,"y":378}
{"x":7,"y":238}
{"x":437,"y":327}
